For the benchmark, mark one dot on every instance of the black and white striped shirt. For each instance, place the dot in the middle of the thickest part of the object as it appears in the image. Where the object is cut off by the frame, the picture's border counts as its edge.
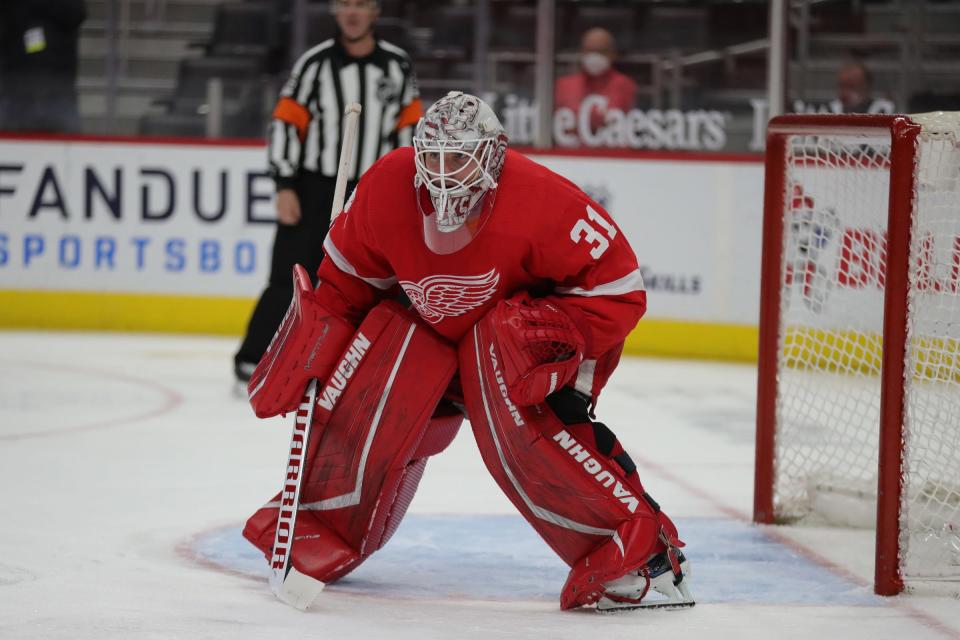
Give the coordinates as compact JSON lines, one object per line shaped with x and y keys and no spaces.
{"x":306,"y":130}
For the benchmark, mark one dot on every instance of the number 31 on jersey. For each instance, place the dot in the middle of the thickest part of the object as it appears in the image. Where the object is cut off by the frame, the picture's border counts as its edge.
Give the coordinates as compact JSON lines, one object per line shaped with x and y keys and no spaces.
{"x":584,"y":231}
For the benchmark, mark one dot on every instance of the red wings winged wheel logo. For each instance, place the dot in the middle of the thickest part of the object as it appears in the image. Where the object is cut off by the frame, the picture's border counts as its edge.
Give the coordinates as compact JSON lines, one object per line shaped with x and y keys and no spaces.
{"x":442,"y":296}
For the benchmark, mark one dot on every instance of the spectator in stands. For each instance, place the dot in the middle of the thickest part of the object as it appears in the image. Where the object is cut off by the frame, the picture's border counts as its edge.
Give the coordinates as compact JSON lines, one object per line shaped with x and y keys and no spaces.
{"x":304,"y":148}
{"x":596,"y":76}
{"x":855,"y":91}
{"x":38,"y":64}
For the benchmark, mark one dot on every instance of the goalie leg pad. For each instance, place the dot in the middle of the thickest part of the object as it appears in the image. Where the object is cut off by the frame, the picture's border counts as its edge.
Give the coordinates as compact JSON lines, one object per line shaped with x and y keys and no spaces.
{"x":371,"y":437}
{"x":318,"y":548}
{"x":571,"y":488}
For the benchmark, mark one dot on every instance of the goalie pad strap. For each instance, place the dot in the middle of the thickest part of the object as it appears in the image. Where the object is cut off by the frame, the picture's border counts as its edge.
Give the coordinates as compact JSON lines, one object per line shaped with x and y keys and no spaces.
{"x":369,"y":446}
{"x":572,"y":408}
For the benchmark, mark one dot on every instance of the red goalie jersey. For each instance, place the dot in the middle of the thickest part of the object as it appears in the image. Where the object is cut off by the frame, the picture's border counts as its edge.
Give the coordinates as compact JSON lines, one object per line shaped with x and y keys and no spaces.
{"x":544,"y":235}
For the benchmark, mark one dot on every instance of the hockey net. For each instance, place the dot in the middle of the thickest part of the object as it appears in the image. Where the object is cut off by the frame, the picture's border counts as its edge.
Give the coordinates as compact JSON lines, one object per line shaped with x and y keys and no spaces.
{"x":859,"y":380}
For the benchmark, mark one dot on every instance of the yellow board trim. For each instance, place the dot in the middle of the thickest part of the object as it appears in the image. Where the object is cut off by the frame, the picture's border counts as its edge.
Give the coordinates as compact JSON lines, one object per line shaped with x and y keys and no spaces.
{"x":934,"y":358}
{"x":73,"y":310}
{"x":701,"y":340}
{"x":124,"y":312}
{"x":834,"y":351}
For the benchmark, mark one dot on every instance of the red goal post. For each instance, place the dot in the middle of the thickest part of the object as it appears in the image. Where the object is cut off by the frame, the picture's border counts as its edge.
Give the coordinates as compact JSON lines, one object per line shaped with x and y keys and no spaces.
{"x":858,"y":396}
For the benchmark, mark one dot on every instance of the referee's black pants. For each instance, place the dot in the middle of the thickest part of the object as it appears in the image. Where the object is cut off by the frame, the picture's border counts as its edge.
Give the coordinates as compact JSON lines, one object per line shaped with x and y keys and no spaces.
{"x":301,"y":243}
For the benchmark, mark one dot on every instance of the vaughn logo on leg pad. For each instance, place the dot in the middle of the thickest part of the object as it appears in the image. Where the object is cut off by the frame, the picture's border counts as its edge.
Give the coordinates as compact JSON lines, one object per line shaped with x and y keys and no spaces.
{"x":595,"y":468}
{"x":498,"y":375}
{"x":344,"y":371}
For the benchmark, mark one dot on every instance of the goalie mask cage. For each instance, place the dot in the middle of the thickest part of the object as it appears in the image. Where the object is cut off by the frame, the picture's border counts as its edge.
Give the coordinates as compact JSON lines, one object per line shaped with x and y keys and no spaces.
{"x":858,"y":405}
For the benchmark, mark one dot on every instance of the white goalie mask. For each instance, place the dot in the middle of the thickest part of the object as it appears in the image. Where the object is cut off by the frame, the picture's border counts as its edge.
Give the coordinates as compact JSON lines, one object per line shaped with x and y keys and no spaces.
{"x":459,"y":147}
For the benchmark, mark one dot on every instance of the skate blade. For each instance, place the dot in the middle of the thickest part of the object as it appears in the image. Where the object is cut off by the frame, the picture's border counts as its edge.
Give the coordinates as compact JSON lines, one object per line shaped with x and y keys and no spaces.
{"x":609,"y":606}
{"x":675,"y":597}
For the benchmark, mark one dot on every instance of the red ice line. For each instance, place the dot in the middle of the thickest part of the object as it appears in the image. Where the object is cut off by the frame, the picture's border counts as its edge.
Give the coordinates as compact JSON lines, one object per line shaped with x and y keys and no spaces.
{"x":171,"y":400}
{"x":919,"y":616}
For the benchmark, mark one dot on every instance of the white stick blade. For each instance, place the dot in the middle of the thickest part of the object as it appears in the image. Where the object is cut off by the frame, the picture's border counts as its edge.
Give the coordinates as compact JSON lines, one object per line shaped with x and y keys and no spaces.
{"x":298,"y":589}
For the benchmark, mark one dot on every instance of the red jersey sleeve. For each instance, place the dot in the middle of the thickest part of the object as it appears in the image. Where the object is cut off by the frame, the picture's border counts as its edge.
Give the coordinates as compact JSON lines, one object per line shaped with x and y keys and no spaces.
{"x":354,"y":275}
{"x":597,"y":279}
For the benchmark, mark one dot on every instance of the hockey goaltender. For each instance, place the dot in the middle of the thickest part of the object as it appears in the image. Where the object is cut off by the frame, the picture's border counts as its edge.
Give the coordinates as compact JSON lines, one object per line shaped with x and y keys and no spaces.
{"x":522,"y":290}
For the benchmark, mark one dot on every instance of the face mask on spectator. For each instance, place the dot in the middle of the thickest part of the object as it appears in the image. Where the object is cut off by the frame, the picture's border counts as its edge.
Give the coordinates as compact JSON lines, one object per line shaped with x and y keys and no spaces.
{"x":594,"y":63}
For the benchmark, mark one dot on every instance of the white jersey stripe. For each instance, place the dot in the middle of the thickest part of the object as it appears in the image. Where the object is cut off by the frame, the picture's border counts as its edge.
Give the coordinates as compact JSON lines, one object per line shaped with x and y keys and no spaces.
{"x":293,"y":143}
{"x":392,"y":109}
{"x":344,"y":265}
{"x":312,"y":145}
{"x":306,"y":84}
{"x":392,"y":48}
{"x":331,"y":122}
{"x":278,"y":134}
{"x":371,"y":136}
{"x":629,"y":283}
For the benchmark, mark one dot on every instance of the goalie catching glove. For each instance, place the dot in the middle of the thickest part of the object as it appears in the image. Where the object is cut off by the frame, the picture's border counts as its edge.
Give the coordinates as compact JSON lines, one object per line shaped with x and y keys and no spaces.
{"x":541,"y":346}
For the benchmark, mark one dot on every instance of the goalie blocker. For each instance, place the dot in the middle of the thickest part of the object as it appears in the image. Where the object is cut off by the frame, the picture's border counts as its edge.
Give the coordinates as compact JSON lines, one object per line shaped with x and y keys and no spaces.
{"x":306,"y":346}
{"x":378,"y":418}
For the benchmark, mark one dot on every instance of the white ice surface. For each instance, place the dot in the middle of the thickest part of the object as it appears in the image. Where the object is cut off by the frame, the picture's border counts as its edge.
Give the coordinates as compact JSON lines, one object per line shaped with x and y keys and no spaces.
{"x":127,"y":468}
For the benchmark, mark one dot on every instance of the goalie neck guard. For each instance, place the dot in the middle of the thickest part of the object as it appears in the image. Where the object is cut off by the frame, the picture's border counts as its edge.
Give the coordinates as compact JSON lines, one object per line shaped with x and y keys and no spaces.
{"x":459,"y":150}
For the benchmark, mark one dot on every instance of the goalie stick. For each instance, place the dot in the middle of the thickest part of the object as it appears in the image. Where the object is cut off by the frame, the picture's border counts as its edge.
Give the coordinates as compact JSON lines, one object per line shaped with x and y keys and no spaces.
{"x":289,"y":585}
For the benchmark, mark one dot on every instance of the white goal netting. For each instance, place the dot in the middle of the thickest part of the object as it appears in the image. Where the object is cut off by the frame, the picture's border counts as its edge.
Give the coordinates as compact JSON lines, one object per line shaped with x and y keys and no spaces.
{"x":830,"y":339}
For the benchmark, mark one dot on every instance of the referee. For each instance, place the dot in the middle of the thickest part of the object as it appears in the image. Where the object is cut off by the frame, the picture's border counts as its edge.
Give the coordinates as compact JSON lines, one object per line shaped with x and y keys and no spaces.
{"x":304,"y":149}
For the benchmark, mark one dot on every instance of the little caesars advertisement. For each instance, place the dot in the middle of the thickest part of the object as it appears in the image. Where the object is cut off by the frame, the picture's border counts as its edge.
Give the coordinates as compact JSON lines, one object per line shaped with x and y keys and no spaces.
{"x":596,"y":125}
{"x":697,"y":130}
